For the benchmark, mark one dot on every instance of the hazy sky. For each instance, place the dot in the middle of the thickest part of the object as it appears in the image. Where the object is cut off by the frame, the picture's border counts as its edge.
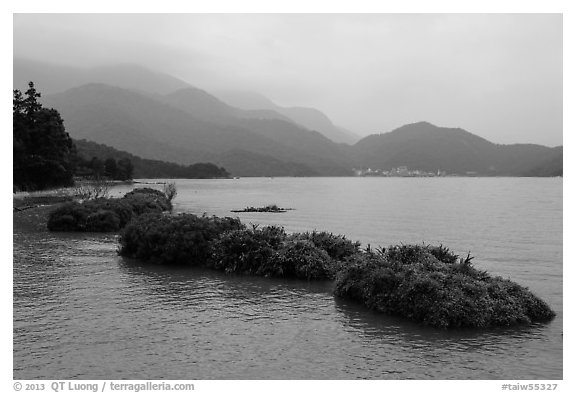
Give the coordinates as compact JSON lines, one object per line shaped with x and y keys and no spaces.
{"x":496,"y":75}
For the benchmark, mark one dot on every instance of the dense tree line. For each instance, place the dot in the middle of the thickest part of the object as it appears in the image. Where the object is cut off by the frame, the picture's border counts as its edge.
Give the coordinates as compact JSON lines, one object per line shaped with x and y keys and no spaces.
{"x":43,"y":152}
{"x":143,"y":168}
{"x":108,"y":168}
{"x":45,"y":156}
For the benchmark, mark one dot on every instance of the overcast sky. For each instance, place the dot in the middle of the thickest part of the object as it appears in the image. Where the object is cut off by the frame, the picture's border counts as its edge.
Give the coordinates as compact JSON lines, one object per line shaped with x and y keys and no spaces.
{"x":496,"y":75}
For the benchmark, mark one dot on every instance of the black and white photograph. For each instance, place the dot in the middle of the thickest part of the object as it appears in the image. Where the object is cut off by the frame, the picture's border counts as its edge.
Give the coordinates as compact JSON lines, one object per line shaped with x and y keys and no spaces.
{"x":286,"y":196}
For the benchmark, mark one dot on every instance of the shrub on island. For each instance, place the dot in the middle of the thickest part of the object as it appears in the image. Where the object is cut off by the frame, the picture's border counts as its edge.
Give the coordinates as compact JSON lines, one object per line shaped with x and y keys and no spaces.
{"x":427,"y":284}
{"x":245,"y":250}
{"x":433,"y":286}
{"x":225,"y":244}
{"x":107,"y":214}
{"x":265,"y":209}
{"x":147,"y":202}
{"x":270,"y":252}
{"x":300,"y":259}
{"x":145,"y":191}
{"x":183,"y":239}
{"x":337,"y":246}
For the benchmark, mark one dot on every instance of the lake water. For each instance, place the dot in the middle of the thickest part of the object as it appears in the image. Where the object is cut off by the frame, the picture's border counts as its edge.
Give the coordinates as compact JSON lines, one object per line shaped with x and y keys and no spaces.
{"x":81,"y":311}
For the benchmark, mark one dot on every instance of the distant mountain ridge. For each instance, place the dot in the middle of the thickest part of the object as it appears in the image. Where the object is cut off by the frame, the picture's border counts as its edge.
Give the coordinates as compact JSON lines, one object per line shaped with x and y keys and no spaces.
{"x":203,"y":105}
{"x":427,"y":147}
{"x":52,"y":78}
{"x":152,"y":128}
{"x":549,"y":166}
{"x":166,"y":119}
{"x":308,"y":117}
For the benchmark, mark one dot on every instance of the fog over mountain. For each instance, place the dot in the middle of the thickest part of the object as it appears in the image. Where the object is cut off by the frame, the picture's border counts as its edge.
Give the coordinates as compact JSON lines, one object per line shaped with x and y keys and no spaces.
{"x":308,"y":117}
{"x":190,"y":125}
{"x":160,"y":117}
{"x":170,"y":128}
{"x":51,"y":78}
{"x":496,"y":75}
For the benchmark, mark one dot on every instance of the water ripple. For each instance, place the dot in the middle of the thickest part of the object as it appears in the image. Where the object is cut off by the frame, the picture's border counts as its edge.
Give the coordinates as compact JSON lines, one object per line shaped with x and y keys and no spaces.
{"x":81,"y":311}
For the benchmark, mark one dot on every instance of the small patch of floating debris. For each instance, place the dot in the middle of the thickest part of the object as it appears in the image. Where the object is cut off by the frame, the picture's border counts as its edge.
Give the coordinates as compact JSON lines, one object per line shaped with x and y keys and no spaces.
{"x":266,"y":209}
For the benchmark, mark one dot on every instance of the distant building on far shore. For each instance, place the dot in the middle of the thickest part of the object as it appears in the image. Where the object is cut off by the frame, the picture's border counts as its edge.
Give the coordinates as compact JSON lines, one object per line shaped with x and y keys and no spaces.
{"x":401,"y":171}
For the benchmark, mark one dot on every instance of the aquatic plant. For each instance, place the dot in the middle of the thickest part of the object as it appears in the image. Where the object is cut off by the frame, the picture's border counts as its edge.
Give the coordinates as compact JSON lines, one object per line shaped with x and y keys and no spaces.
{"x":106,"y":214}
{"x":145,"y":191}
{"x":300,"y":259}
{"x":182,"y":239}
{"x":409,"y":280}
{"x":265,"y":209}
{"x":269,"y":252}
{"x":337,"y":246}
{"x":144,"y":202}
{"x":246,"y":250}
{"x":428,"y":284}
{"x":102,"y":221}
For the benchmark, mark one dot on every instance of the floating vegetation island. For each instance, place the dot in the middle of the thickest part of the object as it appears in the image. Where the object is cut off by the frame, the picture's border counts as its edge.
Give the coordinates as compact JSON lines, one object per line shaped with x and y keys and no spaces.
{"x":265,"y":209}
{"x":426,"y":284}
{"x":107,"y":214}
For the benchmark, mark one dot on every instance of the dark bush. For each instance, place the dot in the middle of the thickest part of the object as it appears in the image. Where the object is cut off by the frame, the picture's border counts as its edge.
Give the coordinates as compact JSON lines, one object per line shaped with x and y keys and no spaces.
{"x":106,"y":214}
{"x":265,"y":209}
{"x":270,"y":252}
{"x":182,"y":239}
{"x":443,"y":254}
{"x":102,"y":221}
{"x":246,"y":250}
{"x":146,"y":191}
{"x":122,"y":209}
{"x":300,"y":259}
{"x":63,"y":223}
{"x":407,"y":254}
{"x":411,"y":281}
{"x":69,"y":217}
{"x":141,"y":203}
{"x":427,"y":284}
{"x":92,"y":216}
{"x":337,"y":246}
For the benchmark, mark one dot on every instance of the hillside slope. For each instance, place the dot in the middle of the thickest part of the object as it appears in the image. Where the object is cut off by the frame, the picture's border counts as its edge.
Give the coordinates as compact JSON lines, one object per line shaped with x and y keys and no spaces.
{"x":428,"y":147}
{"x":153,"y":129}
{"x":150,"y":169}
{"x":310,"y":118}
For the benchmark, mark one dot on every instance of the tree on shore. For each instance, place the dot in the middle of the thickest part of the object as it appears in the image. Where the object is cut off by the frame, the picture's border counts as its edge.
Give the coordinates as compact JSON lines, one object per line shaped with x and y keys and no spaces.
{"x":98,"y":167}
{"x":43,"y":151}
{"x":110,"y":168}
{"x":125,"y":169}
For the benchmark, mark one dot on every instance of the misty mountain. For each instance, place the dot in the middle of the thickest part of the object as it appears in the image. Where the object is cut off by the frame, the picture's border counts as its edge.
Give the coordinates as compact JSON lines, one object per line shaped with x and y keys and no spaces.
{"x":157,"y":116}
{"x":168,"y":128}
{"x":550,"y":166}
{"x":310,"y":118}
{"x":153,"y":129}
{"x":203,"y":105}
{"x":428,"y":147}
{"x":52,"y":78}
